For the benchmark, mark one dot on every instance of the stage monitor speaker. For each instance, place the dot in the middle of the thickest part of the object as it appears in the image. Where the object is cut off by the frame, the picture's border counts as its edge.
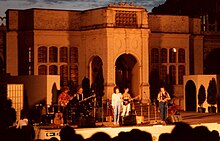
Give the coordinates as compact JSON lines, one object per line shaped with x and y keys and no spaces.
{"x":173,"y":118}
{"x":128,"y":120}
{"x":86,"y":122}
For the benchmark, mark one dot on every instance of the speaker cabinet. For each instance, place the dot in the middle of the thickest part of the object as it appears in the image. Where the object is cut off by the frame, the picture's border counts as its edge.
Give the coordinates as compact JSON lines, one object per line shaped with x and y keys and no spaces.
{"x":128,"y":120}
{"x":86,"y":122}
{"x":173,"y":118}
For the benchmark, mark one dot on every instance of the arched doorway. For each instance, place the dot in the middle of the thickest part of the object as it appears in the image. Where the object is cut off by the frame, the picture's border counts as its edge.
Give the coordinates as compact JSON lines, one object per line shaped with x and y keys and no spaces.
{"x":97,"y":80}
{"x":190,"y":96}
{"x":210,"y":64}
{"x":127,"y":74}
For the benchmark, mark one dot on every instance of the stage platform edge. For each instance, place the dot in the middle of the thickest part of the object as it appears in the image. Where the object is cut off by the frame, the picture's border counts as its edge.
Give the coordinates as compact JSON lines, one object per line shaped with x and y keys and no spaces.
{"x":46,"y":132}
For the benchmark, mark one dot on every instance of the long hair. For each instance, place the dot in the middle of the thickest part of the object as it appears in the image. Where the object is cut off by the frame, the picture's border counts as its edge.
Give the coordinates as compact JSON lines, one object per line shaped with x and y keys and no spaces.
{"x":116,"y":87}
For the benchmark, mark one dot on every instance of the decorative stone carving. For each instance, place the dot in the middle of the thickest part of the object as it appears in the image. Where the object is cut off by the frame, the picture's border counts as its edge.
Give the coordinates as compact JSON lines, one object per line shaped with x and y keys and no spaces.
{"x":126,"y":18}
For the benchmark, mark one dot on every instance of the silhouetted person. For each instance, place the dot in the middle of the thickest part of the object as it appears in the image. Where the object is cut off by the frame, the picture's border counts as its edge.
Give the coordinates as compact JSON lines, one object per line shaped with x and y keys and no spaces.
{"x":142,"y":135}
{"x":201,"y":133}
{"x":99,"y":136}
{"x":182,"y":132}
{"x":122,"y":136}
{"x":53,"y":139}
{"x":10,"y":114}
{"x":27,"y":133}
{"x":165,"y":137}
{"x":214,"y":136}
{"x":68,"y":133}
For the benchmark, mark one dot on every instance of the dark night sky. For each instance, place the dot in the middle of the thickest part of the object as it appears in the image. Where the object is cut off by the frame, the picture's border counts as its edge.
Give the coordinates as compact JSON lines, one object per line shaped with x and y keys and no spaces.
{"x":70,"y":4}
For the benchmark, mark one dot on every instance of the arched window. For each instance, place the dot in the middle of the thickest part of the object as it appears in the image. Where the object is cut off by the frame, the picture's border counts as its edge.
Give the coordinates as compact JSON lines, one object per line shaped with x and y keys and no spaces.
{"x":73,"y":55}
{"x":163,"y":72}
{"x":42,"y":54}
{"x":154,"y":55}
{"x":172,"y":55}
{"x":181,"y":55}
{"x":181,"y":73}
{"x":163,"y":57}
{"x":172,"y":72}
{"x":64,"y":74}
{"x":63,"y":54}
{"x":53,"y":70}
{"x":53,"y":54}
{"x":42,"y":70}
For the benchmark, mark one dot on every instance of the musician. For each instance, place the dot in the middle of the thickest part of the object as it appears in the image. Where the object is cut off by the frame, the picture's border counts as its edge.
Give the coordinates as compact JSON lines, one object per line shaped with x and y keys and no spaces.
{"x":63,"y":100}
{"x":78,"y":96}
{"x":163,"y":97}
{"x":77,"y":101}
{"x":126,"y":105}
{"x":64,"y":97}
{"x":116,"y":104}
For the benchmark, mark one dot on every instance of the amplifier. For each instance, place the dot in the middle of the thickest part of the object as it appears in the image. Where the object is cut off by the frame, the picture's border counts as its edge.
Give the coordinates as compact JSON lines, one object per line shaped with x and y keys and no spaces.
{"x":128,"y":120}
{"x":173,"y":118}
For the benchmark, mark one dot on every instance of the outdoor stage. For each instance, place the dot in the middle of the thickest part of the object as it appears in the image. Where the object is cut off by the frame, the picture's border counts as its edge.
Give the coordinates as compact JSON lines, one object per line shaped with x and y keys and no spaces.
{"x":212,"y":121}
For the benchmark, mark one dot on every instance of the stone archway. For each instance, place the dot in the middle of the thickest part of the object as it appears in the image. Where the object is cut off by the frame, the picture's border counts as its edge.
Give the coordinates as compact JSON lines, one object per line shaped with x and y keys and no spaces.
{"x":127,"y":74}
{"x":190,"y":96}
{"x":210,"y":64}
{"x":96,"y":77}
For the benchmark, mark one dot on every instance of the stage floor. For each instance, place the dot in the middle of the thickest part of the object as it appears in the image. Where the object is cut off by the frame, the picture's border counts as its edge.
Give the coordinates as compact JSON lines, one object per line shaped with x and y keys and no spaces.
{"x":212,"y":121}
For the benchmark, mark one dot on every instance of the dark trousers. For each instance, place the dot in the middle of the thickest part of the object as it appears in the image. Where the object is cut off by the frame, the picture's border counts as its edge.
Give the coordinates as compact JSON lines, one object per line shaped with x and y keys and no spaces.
{"x":163,"y":109}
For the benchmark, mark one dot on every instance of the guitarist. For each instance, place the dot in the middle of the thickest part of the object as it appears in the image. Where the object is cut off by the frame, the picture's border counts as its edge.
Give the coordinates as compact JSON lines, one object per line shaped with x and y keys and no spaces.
{"x":63,"y":100}
{"x":78,"y":96}
{"x":64,"y":97}
{"x":126,"y":102}
{"x":163,"y":97}
{"x":76,"y":101}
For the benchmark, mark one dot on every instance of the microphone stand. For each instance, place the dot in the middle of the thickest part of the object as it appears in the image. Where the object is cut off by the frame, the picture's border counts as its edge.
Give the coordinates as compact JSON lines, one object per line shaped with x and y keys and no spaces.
{"x":102,"y":112}
{"x":94,"y":109}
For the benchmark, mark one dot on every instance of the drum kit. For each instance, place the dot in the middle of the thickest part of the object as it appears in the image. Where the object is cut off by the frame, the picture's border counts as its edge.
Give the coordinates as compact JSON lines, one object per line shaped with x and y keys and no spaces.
{"x":70,"y":113}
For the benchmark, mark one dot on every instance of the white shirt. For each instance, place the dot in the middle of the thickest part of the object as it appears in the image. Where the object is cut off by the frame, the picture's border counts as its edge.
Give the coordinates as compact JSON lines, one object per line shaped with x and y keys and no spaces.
{"x":116,"y":98}
{"x":22,"y":122}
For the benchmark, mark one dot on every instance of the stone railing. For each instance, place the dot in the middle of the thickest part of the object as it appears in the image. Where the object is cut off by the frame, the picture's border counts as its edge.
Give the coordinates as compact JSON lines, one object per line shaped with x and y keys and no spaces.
{"x":2,"y":21}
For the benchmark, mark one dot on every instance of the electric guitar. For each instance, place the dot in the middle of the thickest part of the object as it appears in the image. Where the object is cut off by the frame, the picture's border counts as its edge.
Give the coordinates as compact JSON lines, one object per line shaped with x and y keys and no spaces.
{"x":85,"y":99}
{"x":125,"y":102}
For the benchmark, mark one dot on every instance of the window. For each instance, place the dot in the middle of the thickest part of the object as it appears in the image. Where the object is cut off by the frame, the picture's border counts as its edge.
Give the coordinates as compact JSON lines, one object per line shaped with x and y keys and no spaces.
{"x":172,"y":72}
{"x":53,"y":54}
{"x":53,"y":70}
{"x":154,"y":55}
{"x":64,"y":74}
{"x":42,"y":54}
{"x":181,"y":73}
{"x":181,"y":55}
{"x":163,"y":57}
{"x":73,"y":55}
{"x":172,"y":55}
{"x":211,"y":19}
{"x":163,"y":72}
{"x":29,"y":55}
{"x":63,"y":54}
{"x":42,"y":70}
{"x":74,"y":73}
